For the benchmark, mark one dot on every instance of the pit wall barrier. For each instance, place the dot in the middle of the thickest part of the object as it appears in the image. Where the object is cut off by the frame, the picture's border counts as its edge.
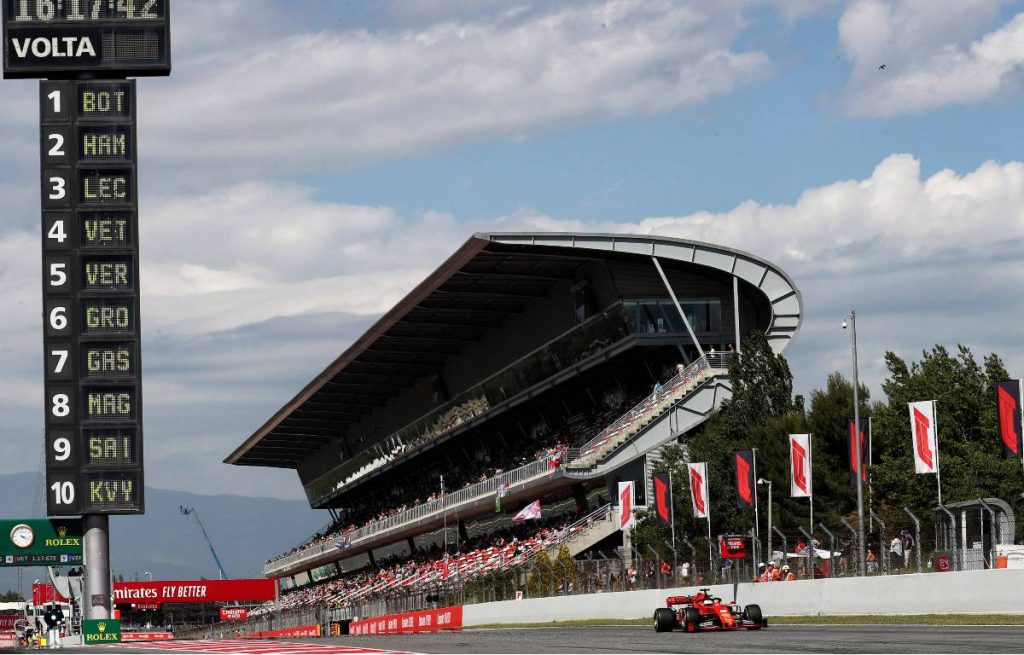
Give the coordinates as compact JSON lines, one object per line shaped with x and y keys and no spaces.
{"x":968,"y":592}
{"x":445,"y":618}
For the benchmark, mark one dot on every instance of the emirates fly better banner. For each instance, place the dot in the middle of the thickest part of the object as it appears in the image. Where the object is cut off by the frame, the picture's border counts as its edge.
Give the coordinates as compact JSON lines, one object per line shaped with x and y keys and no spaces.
{"x":699,"y":490}
{"x":922,"y":426}
{"x":800,"y":465}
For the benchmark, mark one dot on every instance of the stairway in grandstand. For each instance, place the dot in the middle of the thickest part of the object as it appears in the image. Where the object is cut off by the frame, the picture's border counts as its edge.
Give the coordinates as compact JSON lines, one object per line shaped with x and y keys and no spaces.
{"x":681,"y":404}
{"x":591,"y":530}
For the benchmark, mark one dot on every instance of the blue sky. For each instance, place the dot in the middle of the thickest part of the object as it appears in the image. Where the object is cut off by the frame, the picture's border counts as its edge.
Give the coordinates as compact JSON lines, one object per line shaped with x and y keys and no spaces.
{"x":309,"y":162}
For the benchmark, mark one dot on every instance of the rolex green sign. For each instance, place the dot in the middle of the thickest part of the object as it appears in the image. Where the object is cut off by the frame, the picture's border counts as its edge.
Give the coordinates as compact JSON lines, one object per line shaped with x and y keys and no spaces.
{"x":41,"y":542}
{"x":101,"y":631}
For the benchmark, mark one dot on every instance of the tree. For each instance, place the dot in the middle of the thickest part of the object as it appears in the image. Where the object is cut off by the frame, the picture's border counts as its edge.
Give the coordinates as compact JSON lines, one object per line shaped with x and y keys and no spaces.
{"x":970,"y":455}
{"x":566,"y":575}
{"x":10,"y":596}
{"x":541,"y":581}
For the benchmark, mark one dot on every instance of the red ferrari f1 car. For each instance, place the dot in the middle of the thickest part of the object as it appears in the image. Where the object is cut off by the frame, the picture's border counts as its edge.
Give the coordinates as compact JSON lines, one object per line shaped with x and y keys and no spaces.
{"x":702,"y":611}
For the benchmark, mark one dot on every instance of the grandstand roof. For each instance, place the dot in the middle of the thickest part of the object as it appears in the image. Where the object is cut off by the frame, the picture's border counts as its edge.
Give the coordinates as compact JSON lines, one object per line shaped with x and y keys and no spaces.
{"x":491,"y":277}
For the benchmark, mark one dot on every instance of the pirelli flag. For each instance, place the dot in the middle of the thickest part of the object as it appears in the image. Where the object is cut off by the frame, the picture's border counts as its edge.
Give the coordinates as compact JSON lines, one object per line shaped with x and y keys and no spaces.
{"x":1008,"y":406}
{"x":662,"y":498}
{"x":864,"y":439}
{"x":744,"y":461}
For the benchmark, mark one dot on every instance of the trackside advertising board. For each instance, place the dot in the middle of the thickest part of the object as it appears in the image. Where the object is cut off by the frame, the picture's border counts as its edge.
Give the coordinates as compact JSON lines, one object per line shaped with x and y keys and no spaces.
{"x":101,"y":631}
{"x":194,"y":591}
{"x":446,"y":618}
{"x":41,"y":542}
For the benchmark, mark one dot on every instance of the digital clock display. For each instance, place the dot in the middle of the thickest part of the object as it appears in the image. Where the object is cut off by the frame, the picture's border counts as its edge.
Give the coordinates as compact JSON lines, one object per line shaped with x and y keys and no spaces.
{"x":83,"y":11}
{"x":108,"y":317}
{"x":109,"y":403}
{"x":108,"y":360}
{"x":105,"y":229}
{"x":110,"y":447}
{"x":57,"y":38}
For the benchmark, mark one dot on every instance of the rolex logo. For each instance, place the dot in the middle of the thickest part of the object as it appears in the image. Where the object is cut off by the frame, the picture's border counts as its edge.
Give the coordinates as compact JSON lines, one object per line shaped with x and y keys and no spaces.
{"x":101,"y":626}
{"x":62,"y":531}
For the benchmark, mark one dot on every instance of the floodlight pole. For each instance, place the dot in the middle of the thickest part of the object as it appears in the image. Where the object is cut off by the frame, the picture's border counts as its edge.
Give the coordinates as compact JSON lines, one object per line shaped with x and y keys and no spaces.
{"x":858,"y":465}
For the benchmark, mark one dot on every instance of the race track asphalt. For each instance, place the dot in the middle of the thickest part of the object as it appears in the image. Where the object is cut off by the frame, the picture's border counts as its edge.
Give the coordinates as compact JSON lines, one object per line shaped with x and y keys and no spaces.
{"x":777,"y":639}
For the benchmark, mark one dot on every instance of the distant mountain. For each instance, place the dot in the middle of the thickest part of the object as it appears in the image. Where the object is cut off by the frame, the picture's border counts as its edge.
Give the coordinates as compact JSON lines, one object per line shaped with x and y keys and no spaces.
{"x":244,"y":531}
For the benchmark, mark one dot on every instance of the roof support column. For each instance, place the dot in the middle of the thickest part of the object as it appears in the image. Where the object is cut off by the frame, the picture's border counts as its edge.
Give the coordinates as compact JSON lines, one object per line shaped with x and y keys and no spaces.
{"x":679,"y":308}
{"x":736,"y":308}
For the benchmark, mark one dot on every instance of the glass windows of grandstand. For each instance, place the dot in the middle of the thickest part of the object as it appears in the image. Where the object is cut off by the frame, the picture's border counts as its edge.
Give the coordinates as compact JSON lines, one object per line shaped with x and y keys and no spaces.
{"x":654,"y":316}
{"x":591,"y":337}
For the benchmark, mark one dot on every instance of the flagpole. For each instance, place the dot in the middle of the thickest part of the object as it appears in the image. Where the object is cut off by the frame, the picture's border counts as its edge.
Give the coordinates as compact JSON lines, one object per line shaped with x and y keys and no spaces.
{"x":810,"y":489}
{"x":1020,"y":403}
{"x":938,"y":468}
{"x":757,"y":518}
{"x":672,"y":523}
{"x":711,"y":560}
{"x":871,"y":461}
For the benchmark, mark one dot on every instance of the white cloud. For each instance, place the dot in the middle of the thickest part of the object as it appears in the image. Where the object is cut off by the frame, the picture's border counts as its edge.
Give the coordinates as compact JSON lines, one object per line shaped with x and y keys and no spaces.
{"x":334,"y":99}
{"x":933,"y":56}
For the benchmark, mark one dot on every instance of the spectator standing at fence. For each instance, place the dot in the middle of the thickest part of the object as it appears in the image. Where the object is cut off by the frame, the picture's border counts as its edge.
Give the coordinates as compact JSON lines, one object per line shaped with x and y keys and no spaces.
{"x":787,"y":574}
{"x":896,"y":552}
{"x":908,"y":546}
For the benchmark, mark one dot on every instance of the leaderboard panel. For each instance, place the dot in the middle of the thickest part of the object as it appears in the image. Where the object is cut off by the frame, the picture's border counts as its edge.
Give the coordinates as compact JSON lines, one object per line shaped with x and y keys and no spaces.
{"x":63,"y":38}
{"x":93,"y":388}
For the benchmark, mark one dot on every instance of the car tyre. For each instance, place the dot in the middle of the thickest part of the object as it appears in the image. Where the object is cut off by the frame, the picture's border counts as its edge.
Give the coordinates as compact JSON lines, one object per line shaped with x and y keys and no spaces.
{"x":691,"y":619}
{"x":664,"y":620}
{"x":753,"y":614}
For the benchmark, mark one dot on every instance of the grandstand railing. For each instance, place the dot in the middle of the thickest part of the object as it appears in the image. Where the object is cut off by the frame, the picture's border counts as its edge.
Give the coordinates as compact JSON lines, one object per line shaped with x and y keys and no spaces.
{"x":536,"y":469}
{"x":657,"y":401}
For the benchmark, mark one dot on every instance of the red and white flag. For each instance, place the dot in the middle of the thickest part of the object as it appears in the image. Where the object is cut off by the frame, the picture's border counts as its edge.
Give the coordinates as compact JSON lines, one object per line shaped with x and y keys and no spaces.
{"x":926,"y":446}
{"x":531,"y":511}
{"x":626,"y":505}
{"x":699,"y":490}
{"x":800,"y":465}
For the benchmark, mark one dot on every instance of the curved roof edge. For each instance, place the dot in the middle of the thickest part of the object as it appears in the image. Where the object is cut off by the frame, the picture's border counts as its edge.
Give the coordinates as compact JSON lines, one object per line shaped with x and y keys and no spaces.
{"x":782,"y":293}
{"x":784,"y":296}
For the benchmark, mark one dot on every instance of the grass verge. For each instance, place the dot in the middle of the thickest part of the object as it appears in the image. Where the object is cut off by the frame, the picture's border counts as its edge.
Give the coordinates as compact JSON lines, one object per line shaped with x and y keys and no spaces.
{"x":858,"y":619}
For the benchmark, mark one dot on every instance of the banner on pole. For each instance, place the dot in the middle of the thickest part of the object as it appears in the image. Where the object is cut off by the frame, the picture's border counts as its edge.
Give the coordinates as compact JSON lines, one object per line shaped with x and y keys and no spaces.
{"x":662,"y":498}
{"x":699,"y":489}
{"x":626,"y":504}
{"x":865,"y":449}
{"x":922,"y":425}
{"x":800,"y":465}
{"x":1008,"y":406}
{"x":744,"y":461}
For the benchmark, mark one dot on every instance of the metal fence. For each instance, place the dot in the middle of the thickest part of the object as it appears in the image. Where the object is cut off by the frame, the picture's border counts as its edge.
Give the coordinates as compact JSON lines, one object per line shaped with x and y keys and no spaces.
{"x":533,"y":471}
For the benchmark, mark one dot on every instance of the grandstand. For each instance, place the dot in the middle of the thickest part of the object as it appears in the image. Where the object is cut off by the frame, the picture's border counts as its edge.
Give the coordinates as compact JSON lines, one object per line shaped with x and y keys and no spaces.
{"x":526,"y":367}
